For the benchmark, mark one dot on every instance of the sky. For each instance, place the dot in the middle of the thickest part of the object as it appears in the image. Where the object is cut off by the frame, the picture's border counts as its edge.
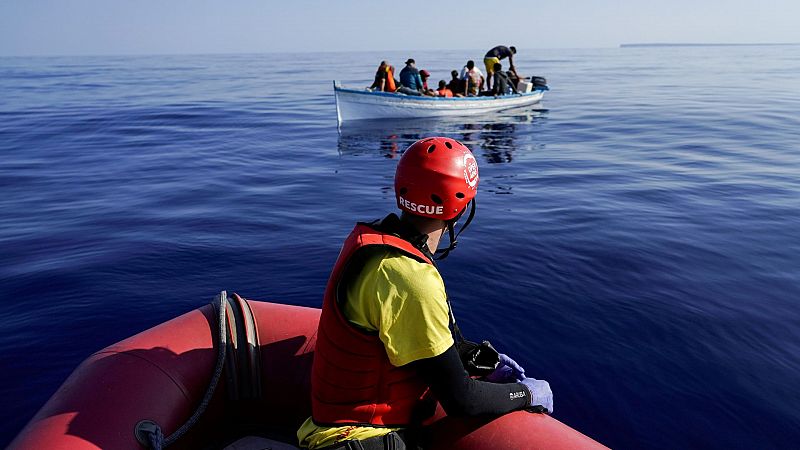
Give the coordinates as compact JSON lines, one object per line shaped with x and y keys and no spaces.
{"x":120,"y":27}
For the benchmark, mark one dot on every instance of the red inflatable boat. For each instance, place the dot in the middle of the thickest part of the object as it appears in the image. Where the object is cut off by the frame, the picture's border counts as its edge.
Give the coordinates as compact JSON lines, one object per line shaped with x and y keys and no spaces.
{"x":160,"y":379}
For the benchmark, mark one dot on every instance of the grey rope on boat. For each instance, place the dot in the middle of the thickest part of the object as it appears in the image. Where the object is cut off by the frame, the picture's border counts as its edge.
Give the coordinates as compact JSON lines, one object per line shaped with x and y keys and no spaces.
{"x":149,"y":434}
{"x":156,"y":438}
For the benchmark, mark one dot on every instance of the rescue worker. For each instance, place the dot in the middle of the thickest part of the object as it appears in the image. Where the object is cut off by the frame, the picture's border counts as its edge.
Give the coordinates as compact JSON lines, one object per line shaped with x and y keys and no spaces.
{"x":385,"y":350}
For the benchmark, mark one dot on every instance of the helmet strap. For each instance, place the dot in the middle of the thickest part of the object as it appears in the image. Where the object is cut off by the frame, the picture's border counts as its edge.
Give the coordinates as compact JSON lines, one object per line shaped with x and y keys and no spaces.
{"x":442,"y":253}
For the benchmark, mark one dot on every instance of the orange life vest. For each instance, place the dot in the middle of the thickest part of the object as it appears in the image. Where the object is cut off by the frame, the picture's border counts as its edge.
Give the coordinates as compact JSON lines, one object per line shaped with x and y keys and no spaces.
{"x":444,"y":92}
{"x":390,"y":86}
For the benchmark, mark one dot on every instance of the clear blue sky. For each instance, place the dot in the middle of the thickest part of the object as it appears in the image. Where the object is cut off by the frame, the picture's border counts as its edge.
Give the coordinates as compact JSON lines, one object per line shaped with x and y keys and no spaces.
{"x":109,"y":27}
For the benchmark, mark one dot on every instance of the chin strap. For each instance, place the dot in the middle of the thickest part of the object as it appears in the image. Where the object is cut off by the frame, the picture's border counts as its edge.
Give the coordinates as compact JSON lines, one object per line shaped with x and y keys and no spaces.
{"x":442,"y":253}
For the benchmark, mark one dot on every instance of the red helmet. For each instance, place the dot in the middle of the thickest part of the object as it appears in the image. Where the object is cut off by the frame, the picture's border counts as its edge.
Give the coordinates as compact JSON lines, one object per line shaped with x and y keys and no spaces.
{"x":436,"y":177}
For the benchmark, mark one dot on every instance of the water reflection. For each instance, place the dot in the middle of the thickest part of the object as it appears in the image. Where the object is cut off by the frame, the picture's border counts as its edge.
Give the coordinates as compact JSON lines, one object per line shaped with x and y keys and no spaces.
{"x":496,"y":140}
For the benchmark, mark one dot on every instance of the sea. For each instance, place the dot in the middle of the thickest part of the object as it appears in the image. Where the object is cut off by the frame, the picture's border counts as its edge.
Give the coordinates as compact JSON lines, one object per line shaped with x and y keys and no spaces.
{"x":636,"y":242}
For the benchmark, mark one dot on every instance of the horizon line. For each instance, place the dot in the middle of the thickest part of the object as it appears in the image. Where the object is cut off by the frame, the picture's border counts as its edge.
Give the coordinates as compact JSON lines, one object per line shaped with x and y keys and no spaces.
{"x":707,"y":44}
{"x":273,"y":52}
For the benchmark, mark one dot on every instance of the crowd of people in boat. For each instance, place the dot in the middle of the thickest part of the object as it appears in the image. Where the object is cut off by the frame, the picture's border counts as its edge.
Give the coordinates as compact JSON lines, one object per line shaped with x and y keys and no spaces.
{"x":469,"y":82}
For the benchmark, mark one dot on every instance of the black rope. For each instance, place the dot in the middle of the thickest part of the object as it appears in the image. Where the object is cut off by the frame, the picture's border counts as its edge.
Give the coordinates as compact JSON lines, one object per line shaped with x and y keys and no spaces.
{"x":149,"y":434}
{"x":156,"y":438}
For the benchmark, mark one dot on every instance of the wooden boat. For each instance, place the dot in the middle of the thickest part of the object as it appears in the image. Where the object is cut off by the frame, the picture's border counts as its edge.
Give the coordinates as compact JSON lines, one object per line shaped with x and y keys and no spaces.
{"x":160,"y":376}
{"x":360,"y":104}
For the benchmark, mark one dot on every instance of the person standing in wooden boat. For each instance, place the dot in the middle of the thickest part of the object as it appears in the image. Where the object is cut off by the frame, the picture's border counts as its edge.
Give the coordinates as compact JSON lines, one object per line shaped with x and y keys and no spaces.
{"x":388,"y":346}
{"x":494,"y":56}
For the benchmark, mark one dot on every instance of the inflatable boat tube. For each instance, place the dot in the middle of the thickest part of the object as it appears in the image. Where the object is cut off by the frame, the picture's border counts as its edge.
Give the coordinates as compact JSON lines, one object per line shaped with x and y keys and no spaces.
{"x":162,"y":374}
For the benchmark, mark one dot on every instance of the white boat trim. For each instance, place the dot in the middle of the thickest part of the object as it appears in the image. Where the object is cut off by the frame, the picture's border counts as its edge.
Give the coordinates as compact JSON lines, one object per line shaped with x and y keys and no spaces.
{"x":363,"y":104}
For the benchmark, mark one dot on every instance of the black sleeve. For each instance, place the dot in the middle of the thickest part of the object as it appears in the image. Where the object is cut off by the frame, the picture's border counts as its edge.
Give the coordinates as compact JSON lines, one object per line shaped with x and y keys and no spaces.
{"x":461,"y":395}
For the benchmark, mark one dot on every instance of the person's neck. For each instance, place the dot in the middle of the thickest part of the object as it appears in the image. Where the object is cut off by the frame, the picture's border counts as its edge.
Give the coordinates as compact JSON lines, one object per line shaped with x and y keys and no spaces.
{"x":434,"y":237}
{"x":432,"y":228}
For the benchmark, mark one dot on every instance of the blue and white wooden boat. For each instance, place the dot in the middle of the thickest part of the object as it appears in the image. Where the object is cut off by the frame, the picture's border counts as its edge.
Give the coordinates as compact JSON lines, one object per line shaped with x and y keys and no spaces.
{"x":360,"y":104}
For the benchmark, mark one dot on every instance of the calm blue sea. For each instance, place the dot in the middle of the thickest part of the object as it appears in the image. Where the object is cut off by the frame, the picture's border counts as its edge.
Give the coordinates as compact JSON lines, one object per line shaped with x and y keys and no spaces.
{"x":637,"y":241}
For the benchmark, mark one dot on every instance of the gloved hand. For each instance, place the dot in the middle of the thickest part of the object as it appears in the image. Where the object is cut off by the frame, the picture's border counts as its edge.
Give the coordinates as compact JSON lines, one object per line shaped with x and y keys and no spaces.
{"x":507,"y":371}
{"x":541,"y":395}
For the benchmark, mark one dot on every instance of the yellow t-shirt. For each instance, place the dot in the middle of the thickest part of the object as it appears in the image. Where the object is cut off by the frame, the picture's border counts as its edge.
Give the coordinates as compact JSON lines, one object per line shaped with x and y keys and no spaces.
{"x":404,"y":301}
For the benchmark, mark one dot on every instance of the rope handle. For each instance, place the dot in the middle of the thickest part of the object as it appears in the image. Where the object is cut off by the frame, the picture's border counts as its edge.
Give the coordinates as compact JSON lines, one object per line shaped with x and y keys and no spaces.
{"x":148,"y":433}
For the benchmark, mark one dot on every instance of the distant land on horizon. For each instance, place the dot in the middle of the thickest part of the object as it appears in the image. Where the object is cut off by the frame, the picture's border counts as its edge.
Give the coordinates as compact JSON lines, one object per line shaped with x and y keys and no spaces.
{"x":701,"y":44}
